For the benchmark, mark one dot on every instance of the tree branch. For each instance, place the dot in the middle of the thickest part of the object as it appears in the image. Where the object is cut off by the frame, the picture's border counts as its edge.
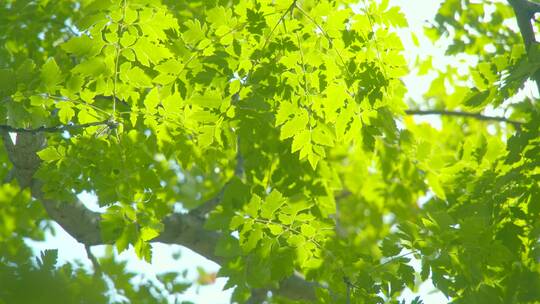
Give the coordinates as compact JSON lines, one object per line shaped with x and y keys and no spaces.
{"x":60,"y":128}
{"x":525,"y":11}
{"x":477,"y":116}
{"x":239,"y":170}
{"x":85,"y":225}
{"x":92,"y":258}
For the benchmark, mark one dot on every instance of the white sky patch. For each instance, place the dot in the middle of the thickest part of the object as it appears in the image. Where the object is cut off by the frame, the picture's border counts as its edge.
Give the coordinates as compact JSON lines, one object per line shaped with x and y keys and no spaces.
{"x":13,"y":137}
{"x":90,"y":201}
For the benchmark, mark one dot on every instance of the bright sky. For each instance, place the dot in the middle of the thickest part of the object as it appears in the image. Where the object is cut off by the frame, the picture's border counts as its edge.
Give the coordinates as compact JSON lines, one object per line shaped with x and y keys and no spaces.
{"x":417,"y":13}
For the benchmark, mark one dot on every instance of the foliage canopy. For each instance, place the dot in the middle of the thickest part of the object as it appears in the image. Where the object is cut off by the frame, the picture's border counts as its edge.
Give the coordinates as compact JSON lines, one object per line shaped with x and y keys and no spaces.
{"x":275,"y":138}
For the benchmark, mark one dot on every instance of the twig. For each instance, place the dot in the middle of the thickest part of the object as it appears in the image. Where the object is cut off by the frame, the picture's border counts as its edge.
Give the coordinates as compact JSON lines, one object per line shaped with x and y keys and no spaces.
{"x":477,"y":116}
{"x":289,"y":9}
{"x":93,"y":259}
{"x":117,"y":59}
{"x":391,"y":260}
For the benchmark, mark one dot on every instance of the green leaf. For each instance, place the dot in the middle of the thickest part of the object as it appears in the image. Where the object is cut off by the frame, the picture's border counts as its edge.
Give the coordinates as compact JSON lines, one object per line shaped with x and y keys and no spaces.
{"x":302,"y":140}
{"x":434,"y":183}
{"x":295,"y":125}
{"x":322,"y":136}
{"x":8,"y":81}
{"x":273,"y":201}
{"x":252,"y":208}
{"x":406,"y":273}
{"x":127,"y":39}
{"x":66,"y":112}
{"x":390,"y":247}
{"x":137,"y":77}
{"x":295,"y":207}
{"x":307,"y":230}
{"x":129,"y":236}
{"x":112,"y":225}
{"x":227,"y":246}
{"x":147,"y":52}
{"x":50,"y":154}
{"x":149,"y":233}
{"x":143,"y":250}
{"x":218,"y":16}
{"x":130,"y":16}
{"x":476,"y":98}
{"x":48,"y":260}
{"x":296,"y":240}
{"x":396,"y":17}
{"x":286,"y":219}
{"x":285,"y":112}
{"x":253,"y":239}
{"x":151,"y":101}
{"x":50,"y":75}
{"x":93,"y":67}
{"x":194,"y":33}
{"x":236,"y":222}
{"x":212,"y":101}
{"x":82,"y":46}
{"x":275,"y":229}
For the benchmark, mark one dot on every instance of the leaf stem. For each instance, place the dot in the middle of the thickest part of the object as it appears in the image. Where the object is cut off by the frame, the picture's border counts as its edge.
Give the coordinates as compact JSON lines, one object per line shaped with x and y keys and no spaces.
{"x":325,"y":34}
{"x":289,"y":9}
{"x":117,"y":59}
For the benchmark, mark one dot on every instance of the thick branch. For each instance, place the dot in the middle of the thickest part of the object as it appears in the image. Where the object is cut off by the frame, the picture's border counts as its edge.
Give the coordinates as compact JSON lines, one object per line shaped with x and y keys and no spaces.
{"x":525,"y":11}
{"x":477,"y":116}
{"x":84,"y":225}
